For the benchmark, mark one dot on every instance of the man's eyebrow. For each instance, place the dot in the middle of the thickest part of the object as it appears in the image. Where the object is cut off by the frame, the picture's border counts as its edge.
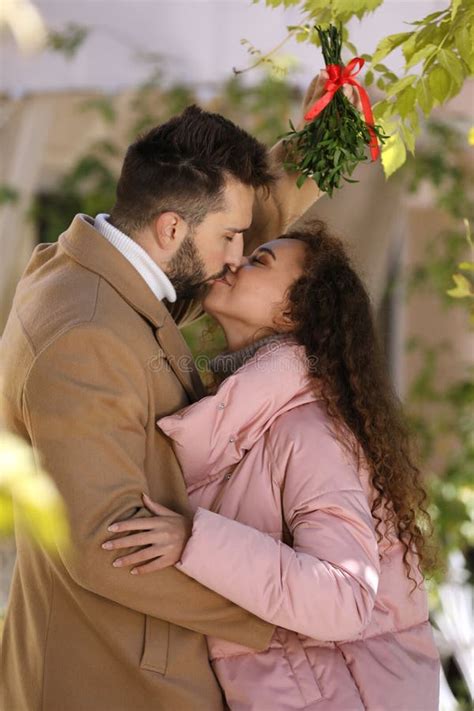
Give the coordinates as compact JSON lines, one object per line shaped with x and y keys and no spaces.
{"x":237,"y":229}
{"x":267,"y":249}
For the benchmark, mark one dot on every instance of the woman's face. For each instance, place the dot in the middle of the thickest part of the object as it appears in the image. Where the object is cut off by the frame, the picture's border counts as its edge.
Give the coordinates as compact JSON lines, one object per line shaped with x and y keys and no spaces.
{"x":254,"y":297}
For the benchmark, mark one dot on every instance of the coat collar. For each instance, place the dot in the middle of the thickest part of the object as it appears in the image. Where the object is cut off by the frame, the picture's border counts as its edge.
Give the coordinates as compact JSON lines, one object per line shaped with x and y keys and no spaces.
{"x":83,"y":243}
{"x":215,"y":433}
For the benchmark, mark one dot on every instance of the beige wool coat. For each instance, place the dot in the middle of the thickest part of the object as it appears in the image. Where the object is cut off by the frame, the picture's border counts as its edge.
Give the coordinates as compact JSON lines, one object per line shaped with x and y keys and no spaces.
{"x":90,"y":359}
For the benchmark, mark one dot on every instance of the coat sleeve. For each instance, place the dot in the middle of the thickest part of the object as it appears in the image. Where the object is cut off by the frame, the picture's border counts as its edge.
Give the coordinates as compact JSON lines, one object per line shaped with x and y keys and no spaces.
{"x":273,"y":213}
{"x":325,"y":585}
{"x":85,"y":407}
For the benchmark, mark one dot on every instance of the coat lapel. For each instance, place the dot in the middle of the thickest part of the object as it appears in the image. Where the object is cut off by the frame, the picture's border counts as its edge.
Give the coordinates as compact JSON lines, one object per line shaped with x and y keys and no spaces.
{"x":180,"y":358}
{"x":85,"y":245}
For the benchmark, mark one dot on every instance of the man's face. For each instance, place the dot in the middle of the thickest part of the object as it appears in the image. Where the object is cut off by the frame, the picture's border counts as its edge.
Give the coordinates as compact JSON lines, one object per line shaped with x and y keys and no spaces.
{"x":215,"y":245}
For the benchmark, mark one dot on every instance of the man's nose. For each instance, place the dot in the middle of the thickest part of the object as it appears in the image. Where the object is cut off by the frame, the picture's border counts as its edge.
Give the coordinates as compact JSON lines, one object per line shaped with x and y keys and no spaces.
{"x":235,"y":267}
{"x":234,"y":259}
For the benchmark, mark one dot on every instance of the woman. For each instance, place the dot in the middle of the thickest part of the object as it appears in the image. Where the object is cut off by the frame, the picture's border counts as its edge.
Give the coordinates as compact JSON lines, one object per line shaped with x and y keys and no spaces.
{"x":309,"y":511}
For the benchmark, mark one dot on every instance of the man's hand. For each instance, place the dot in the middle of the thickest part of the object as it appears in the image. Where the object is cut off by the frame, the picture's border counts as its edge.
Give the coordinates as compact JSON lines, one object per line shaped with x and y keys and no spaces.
{"x":316,"y":89}
{"x":163,"y":537}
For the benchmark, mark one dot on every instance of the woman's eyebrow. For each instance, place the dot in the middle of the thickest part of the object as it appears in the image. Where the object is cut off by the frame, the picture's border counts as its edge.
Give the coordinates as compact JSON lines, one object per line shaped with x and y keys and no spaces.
{"x":267,"y":249}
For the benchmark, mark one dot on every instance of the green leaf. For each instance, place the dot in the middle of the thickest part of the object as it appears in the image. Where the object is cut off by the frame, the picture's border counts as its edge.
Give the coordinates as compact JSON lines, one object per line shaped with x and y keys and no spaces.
{"x":467,"y":226}
{"x":414,"y":122}
{"x":424,"y":96}
{"x":464,"y":45}
{"x":313,"y":7}
{"x":8,"y":194}
{"x":421,"y":54}
{"x":347,"y":8}
{"x":382,"y":110}
{"x":405,"y":101}
{"x":401,"y":84}
{"x":103,"y":105}
{"x":462,"y":288}
{"x":301,"y":180}
{"x":408,"y":137}
{"x":351,"y":47}
{"x":388,"y":44}
{"x":451,"y":63}
{"x":409,"y":47}
{"x":439,"y":83}
{"x":428,"y":18}
{"x":372,"y":4}
{"x":467,"y":266}
{"x":369,"y":78}
{"x":393,"y":154}
{"x":455,"y":5}
{"x":69,"y":40}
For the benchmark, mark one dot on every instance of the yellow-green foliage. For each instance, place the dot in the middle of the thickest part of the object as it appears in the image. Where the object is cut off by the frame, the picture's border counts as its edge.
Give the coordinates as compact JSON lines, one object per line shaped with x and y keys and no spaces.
{"x":26,"y":488}
{"x":438,"y":53}
{"x":464,"y":283}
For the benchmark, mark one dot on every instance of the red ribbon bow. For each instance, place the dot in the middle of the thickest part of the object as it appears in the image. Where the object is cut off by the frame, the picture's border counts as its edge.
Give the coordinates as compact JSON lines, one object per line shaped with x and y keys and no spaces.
{"x":338,"y":76}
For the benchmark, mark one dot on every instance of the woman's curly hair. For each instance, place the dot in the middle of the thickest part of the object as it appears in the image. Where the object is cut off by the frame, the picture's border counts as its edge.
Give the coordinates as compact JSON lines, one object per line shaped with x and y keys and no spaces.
{"x":332,"y":318}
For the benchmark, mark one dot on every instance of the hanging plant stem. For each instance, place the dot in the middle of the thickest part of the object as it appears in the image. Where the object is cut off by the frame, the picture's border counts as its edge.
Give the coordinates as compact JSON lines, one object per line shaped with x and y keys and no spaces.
{"x":332,"y":144}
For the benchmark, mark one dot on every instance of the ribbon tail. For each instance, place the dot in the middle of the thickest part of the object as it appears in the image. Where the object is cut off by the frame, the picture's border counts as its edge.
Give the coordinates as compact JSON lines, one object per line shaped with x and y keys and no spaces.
{"x":369,"y":120}
{"x":319,"y":105}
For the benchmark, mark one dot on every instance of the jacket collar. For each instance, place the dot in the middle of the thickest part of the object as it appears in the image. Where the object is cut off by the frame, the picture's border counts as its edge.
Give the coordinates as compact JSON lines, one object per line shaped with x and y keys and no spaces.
{"x":150,"y":272}
{"x":83,"y":243}
{"x":215,"y":433}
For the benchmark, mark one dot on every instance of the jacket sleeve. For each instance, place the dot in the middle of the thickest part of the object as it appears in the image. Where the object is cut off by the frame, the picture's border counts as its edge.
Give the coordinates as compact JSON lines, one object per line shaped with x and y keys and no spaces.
{"x":85,"y":407}
{"x":273,"y":213}
{"x":325,"y":585}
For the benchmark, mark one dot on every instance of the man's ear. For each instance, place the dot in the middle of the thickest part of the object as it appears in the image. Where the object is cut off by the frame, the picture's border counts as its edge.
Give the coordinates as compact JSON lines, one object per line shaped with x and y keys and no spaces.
{"x":170,"y":229}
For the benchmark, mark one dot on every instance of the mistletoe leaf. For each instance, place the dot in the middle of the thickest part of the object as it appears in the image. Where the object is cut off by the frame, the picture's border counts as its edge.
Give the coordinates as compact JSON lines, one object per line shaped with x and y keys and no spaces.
{"x":329,"y":147}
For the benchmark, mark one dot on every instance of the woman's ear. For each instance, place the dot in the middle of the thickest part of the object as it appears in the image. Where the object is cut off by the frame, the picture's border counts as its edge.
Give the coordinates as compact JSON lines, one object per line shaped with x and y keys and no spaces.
{"x":283,"y":321}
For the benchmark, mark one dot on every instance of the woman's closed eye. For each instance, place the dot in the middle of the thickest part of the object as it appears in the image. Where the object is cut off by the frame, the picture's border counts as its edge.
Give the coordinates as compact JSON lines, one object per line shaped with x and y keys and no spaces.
{"x":255,"y":259}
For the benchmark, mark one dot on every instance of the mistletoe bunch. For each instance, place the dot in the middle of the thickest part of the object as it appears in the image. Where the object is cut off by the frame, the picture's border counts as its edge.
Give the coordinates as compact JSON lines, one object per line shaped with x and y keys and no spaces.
{"x":336,"y":137}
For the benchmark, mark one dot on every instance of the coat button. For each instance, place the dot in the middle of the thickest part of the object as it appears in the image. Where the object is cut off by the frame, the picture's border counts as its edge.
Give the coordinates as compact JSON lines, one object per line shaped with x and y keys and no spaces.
{"x":231,"y":439}
{"x":227,"y":477}
{"x":220,"y":406}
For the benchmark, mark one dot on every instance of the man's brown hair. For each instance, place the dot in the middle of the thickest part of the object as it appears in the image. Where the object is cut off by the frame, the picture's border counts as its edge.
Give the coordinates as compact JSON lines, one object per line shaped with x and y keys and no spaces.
{"x":182,"y":166}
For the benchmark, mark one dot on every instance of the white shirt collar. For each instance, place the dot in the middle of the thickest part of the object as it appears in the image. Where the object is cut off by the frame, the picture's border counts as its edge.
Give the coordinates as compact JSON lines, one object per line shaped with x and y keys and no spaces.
{"x":150,"y":272}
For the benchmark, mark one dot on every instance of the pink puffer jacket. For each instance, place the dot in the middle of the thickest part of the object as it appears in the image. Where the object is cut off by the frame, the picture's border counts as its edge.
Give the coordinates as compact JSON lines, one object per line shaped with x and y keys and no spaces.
{"x":349,"y":635}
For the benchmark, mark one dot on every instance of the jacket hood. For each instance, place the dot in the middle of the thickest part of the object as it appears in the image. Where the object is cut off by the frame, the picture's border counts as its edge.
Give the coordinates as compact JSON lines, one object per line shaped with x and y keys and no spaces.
{"x":216,"y":432}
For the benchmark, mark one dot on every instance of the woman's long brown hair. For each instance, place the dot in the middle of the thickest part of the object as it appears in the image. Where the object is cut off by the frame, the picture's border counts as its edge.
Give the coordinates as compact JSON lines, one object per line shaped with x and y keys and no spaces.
{"x":332,"y":316}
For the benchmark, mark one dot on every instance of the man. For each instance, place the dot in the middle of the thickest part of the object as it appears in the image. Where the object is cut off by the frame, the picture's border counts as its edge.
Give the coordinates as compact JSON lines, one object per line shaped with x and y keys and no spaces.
{"x":91,"y":357}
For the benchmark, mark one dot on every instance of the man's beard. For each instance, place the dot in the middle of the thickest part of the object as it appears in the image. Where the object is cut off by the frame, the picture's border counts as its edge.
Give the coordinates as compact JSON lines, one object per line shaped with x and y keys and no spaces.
{"x":187,"y":271}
